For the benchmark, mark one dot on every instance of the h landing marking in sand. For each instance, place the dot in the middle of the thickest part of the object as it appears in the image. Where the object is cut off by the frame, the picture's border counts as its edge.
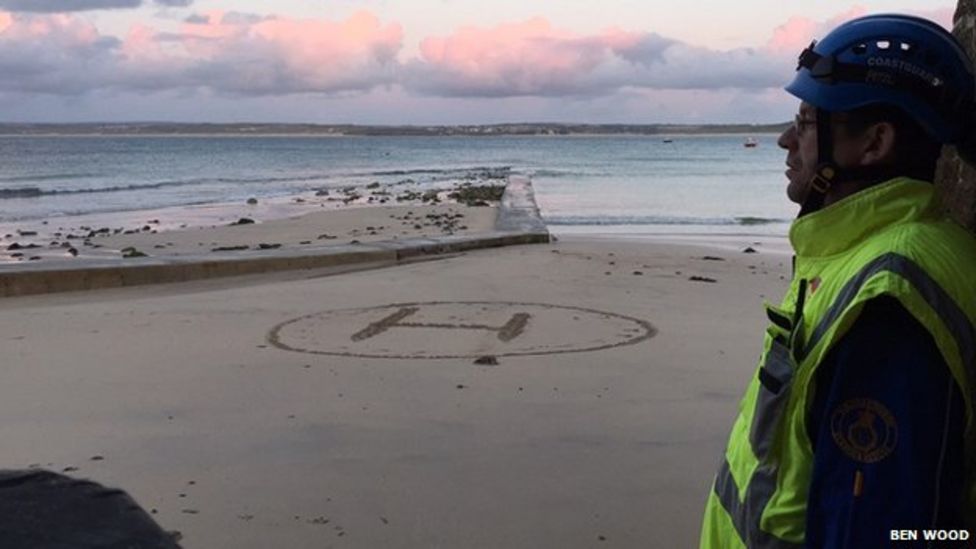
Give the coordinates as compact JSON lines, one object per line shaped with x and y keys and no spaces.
{"x":458,"y":329}
{"x":507,"y":332}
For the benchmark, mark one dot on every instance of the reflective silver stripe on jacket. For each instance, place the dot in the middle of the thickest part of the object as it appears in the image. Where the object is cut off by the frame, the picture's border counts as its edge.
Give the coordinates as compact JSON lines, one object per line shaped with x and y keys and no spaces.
{"x":952,"y":316}
{"x":746,"y":513}
{"x":948,"y":311}
{"x":769,"y":404}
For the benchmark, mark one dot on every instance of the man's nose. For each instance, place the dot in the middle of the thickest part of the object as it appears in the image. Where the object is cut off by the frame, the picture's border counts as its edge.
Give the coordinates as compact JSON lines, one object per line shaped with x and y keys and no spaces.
{"x":787,"y":139}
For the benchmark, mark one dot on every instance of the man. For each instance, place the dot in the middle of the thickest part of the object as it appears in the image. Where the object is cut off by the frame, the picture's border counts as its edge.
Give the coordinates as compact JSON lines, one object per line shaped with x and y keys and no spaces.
{"x":859,"y":420}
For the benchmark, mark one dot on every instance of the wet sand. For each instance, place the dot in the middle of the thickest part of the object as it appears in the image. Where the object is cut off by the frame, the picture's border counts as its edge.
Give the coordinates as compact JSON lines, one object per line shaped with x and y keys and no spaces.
{"x":234,"y":436}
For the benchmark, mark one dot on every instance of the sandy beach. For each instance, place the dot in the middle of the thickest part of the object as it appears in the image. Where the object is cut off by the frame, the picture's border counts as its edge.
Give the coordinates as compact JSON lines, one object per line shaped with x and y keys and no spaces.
{"x":573,"y":394}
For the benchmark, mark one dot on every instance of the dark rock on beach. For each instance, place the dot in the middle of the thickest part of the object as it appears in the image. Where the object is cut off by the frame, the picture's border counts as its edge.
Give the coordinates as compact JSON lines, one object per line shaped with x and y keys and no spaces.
{"x":130,"y":252}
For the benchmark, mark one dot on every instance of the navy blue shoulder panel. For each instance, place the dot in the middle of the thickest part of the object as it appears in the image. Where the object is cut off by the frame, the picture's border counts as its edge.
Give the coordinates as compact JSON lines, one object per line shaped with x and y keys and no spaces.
{"x":886,"y":423}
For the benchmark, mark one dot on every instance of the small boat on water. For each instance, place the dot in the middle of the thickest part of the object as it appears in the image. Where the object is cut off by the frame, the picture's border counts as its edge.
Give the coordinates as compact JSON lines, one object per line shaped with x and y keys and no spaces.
{"x":750,"y":143}
{"x":666,"y":140}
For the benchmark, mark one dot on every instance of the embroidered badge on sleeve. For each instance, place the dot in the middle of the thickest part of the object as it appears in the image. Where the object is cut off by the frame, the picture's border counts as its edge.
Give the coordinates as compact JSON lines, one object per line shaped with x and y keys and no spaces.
{"x":864,"y":430}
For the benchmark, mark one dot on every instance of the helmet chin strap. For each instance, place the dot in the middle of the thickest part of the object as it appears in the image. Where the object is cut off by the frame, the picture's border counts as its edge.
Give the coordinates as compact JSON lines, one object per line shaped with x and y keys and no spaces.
{"x":827,"y":172}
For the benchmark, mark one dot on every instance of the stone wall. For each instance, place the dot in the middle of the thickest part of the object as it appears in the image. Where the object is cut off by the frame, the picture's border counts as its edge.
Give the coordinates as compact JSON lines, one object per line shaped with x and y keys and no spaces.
{"x":955,"y":179}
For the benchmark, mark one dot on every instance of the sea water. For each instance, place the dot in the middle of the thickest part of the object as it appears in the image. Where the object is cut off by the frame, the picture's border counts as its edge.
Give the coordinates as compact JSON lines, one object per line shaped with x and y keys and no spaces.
{"x":619,"y":184}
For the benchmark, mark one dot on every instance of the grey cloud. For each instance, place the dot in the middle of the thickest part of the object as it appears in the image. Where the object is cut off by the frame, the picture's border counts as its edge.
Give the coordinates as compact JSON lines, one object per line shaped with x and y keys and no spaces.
{"x":239,"y":18}
{"x":649,"y":49}
{"x":256,"y":72}
{"x":63,"y":63}
{"x":653,"y":62}
{"x":66,"y":62}
{"x":57,"y":6}
{"x":52,"y":6}
{"x":513,"y":82}
{"x":682,"y":66}
{"x":60,"y":64}
{"x":520,"y":77}
{"x":230,"y":18}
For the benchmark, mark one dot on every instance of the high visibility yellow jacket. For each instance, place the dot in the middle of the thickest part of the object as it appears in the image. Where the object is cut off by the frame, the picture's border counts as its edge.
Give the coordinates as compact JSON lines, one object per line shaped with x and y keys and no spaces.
{"x":893,"y":240}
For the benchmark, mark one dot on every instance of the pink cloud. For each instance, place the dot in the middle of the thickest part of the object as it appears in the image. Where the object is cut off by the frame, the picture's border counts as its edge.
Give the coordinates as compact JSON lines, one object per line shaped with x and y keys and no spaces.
{"x":63,"y":28}
{"x":793,"y":35}
{"x":243,"y":54}
{"x":234,"y":53}
{"x":280,"y":55}
{"x":534,"y":58}
{"x":59,"y":52}
{"x":322,"y":49}
{"x":517,"y":57}
{"x":797,"y":33}
{"x":142,"y":42}
{"x":266,"y":55}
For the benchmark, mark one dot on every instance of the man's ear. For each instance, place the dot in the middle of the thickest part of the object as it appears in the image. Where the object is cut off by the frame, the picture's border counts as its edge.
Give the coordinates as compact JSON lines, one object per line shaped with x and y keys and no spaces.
{"x":878,"y":144}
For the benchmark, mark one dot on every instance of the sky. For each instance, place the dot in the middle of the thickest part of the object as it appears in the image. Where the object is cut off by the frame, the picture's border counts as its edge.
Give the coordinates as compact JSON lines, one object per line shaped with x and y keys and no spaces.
{"x":418,"y":62}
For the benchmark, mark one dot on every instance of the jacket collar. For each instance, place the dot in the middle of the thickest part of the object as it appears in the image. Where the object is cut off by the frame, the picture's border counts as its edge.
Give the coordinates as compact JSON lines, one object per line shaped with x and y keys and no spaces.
{"x":844,"y":224}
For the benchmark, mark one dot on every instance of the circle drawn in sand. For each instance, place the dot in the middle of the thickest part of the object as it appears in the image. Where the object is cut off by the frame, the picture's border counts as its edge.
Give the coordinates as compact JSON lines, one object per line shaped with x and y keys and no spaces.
{"x":458,"y":329}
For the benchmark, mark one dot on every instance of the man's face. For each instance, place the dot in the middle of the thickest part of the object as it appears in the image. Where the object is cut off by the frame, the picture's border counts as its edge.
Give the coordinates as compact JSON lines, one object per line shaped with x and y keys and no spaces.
{"x":800,"y":142}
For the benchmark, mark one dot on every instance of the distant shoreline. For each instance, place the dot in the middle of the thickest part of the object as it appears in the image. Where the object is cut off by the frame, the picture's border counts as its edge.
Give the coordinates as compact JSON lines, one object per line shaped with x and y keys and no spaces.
{"x":154,"y":129}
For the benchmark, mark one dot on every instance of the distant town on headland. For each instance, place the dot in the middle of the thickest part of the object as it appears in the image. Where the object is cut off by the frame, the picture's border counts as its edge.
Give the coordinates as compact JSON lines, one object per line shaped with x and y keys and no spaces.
{"x":244,"y":129}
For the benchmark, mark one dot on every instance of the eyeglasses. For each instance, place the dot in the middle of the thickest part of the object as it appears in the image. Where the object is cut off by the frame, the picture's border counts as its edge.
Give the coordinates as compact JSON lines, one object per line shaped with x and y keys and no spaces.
{"x":799,"y":123}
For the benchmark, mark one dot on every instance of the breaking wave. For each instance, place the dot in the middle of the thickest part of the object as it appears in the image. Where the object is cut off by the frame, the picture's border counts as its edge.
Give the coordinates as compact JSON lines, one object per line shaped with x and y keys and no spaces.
{"x":436,"y":174}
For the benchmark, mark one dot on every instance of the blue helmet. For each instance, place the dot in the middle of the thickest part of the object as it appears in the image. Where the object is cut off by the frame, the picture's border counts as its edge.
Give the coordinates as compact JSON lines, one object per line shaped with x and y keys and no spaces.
{"x":906,"y":62}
